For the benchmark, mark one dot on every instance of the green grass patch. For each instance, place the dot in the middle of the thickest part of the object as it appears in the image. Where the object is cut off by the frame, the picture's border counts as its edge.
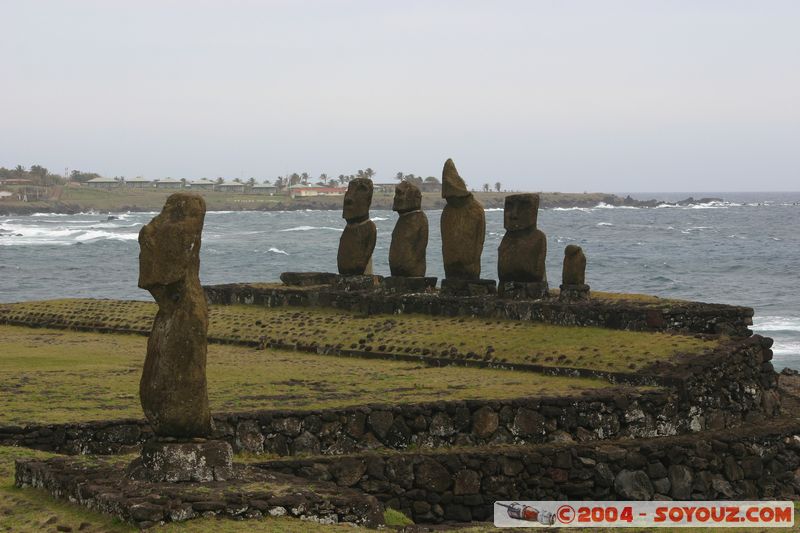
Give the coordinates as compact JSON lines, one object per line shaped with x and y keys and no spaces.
{"x":58,"y":376}
{"x":460,"y":338}
{"x":395,"y":518}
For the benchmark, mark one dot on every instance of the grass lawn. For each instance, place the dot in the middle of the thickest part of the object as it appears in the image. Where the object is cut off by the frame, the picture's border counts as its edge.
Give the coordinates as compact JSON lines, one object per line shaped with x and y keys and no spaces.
{"x":452,"y":337}
{"x":56,"y":376}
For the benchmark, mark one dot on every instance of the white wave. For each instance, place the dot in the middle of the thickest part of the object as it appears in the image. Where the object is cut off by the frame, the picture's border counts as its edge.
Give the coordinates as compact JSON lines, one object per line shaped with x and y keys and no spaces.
{"x":277,"y":251}
{"x":786,"y":348}
{"x":776,"y":323}
{"x":605,"y":224}
{"x":311,"y":228}
{"x":603,"y":205}
{"x":712,"y":205}
{"x":377,"y":219}
{"x":105,"y":235}
{"x":583,"y":209}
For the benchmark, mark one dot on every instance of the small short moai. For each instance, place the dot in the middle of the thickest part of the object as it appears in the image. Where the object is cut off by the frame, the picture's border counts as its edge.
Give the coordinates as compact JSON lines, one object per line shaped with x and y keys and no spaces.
{"x":573,"y":276}
{"x":523,"y":250}
{"x":463,"y":226}
{"x":173,"y":387}
{"x":358,"y":239}
{"x":409,"y":243}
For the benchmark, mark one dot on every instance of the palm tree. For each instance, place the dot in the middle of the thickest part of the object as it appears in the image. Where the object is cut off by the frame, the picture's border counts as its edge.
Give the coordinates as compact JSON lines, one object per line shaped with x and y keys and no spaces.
{"x":304,"y":177}
{"x":369,"y":173}
{"x":497,"y":186}
{"x":220,"y":181}
{"x":342,"y":178}
{"x":294,"y":179}
{"x":486,"y":187}
{"x":323,"y":178}
{"x":251,"y":182}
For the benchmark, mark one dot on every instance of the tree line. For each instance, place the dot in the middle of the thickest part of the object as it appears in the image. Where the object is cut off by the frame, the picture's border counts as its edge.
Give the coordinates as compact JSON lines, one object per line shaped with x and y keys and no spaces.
{"x":39,"y":175}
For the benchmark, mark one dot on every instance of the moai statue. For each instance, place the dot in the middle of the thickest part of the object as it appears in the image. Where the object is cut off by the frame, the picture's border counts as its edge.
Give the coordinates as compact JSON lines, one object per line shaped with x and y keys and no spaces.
{"x":523,"y":250}
{"x":463,"y":227}
{"x":410,"y":235}
{"x":173,"y":385}
{"x":173,"y":388}
{"x":358,"y":239}
{"x":409,"y":243}
{"x":573,"y":275}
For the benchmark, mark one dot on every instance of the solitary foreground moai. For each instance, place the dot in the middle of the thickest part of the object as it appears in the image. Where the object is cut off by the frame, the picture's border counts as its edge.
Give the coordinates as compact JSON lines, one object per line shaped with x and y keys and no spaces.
{"x":523,"y":250}
{"x":358,"y":239}
{"x":173,"y":388}
{"x":463,"y":228}
{"x":410,"y":235}
{"x":573,"y":275}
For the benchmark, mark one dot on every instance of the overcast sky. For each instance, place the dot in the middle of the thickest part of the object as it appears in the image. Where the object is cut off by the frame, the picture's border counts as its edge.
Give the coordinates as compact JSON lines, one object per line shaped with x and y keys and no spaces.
{"x":539,"y":95}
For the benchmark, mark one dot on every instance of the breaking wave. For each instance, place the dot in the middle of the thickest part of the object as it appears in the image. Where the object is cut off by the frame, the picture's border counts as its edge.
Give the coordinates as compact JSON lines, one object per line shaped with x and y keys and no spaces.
{"x":311,"y":228}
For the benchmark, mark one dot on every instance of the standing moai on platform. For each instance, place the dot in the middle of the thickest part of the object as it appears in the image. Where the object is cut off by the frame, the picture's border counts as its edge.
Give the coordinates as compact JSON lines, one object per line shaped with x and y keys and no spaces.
{"x":173,"y":388}
{"x":358,"y":239}
{"x":463,"y":227}
{"x":573,"y":275}
{"x":523,"y":250}
{"x":410,"y":235}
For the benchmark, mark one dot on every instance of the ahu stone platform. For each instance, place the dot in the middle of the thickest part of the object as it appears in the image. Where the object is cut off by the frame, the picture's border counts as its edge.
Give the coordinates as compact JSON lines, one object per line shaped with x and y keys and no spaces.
{"x":102,"y":485}
{"x":619,"y":312}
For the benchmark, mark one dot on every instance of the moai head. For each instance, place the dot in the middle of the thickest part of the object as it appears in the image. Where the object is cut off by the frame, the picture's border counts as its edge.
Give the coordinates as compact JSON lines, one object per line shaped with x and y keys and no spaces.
{"x":572,"y":250}
{"x":407,"y":197}
{"x":521,"y":211}
{"x":357,"y":200}
{"x":170,"y":244}
{"x":452,"y":184}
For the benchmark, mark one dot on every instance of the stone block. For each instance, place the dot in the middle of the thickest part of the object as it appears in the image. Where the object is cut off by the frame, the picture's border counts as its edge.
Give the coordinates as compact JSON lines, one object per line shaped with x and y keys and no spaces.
{"x":172,"y":462}
{"x":518,"y":290}
{"x":408,"y":285}
{"x":468,"y":287}
{"x":308,"y":279}
{"x":574,"y":293}
{"x":366,"y":282}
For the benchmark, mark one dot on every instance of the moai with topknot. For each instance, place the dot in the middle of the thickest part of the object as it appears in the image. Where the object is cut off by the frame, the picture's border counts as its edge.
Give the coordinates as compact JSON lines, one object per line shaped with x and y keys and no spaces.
{"x":463,"y":227}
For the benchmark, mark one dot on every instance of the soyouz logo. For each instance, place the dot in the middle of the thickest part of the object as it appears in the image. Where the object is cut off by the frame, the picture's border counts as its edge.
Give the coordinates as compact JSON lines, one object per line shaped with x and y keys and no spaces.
{"x":671,"y":514}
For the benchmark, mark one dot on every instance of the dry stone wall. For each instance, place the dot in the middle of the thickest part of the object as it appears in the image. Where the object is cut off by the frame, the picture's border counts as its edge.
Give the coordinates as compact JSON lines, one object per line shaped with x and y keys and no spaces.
{"x":460,"y":486}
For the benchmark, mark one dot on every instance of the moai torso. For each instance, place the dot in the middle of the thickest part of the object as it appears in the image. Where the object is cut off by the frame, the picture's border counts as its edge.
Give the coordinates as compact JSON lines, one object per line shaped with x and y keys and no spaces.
{"x":523,"y":250}
{"x":574,"y":270}
{"x":173,"y":388}
{"x":463,"y":227}
{"x":358,"y":239}
{"x":410,"y":234}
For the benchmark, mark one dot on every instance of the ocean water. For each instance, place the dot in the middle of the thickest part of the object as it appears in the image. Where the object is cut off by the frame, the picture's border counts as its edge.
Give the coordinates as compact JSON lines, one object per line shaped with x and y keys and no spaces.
{"x":745,"y":250}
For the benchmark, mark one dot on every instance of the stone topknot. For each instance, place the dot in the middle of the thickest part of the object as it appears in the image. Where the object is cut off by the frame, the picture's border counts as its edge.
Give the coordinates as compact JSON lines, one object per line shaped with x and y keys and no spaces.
{"x":452,"y":184}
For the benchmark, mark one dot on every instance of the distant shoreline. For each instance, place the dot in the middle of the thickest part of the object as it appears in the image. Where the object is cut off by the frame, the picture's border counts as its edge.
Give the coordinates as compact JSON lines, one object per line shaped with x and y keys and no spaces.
{"x":111,"y":202}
